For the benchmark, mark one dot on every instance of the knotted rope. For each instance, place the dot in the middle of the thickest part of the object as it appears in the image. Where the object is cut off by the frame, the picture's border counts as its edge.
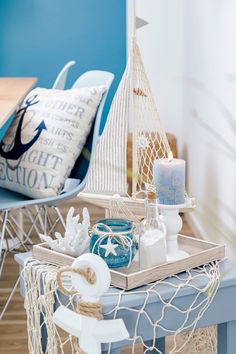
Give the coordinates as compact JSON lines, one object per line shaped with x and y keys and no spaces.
{"x":121,"y":237}
{"x":88,"y":309}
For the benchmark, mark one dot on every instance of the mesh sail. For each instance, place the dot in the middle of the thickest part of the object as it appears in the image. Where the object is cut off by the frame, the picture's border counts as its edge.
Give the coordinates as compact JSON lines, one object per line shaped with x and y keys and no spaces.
{"x":149,"y":138}
{"x":133,"y":109}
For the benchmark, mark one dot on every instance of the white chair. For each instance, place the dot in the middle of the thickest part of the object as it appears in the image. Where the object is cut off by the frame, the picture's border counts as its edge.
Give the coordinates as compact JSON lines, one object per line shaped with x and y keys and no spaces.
{"x":39,"y":215}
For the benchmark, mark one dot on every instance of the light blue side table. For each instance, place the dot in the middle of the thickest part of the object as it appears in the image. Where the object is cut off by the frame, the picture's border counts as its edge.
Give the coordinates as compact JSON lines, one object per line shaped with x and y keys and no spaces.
{"x":222,"y":311}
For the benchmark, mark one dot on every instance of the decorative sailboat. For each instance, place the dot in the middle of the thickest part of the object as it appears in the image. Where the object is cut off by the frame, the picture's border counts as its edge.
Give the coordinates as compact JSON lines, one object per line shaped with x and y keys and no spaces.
{"x":133,"y":111}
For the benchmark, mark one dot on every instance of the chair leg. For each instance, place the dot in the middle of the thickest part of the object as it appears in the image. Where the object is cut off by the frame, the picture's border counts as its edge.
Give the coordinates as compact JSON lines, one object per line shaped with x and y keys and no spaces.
{"x":37,"y":223}
{"x":57,"y":210}
{"x":9,"y":298}
{"x":19,"y":233}
{"x":38,"y":211}
{"x":10,"y":231}
{"x":45,"y":220}
{"x":46,"y":224}
{"x":5,"y":248}
{"x":41,"y":222}
{"x":4,"y":224}
{"x":3,"y":256}
{"x":33,"y":220}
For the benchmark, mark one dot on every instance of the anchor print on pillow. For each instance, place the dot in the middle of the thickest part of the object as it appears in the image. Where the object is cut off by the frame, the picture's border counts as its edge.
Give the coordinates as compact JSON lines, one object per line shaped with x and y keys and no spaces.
{"x":19,"y":148}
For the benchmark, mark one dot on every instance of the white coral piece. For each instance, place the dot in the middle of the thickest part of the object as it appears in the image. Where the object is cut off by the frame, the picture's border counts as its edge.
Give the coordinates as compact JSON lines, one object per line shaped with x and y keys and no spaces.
{"x":76,"y":239}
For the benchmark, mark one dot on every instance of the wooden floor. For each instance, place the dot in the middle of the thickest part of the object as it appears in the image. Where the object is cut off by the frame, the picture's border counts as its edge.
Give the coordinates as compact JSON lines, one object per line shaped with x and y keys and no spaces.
{"x":13,"y":335}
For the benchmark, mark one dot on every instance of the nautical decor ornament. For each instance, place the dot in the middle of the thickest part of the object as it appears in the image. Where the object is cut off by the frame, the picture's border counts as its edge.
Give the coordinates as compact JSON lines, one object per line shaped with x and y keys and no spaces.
{"x":133,"y":110}
{"x":114,"y":241}
{"x":90,"y":277}
{"x":76,"y":239}
{"x":133,"y":129}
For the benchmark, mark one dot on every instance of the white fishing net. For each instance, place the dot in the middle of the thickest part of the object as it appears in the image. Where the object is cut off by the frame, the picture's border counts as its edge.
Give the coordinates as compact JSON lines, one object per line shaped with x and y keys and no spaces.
{"x":147,"y":311}
{"x":149,"y":139}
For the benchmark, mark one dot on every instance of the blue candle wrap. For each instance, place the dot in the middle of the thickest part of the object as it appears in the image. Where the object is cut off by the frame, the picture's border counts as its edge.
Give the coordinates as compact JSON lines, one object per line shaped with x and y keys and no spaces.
{"x":124,"y":253}
{"x":169,"y":178}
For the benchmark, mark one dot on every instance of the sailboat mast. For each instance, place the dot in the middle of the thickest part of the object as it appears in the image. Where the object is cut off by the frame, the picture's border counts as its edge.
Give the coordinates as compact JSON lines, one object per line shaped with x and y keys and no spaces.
{"x":132,"y":107}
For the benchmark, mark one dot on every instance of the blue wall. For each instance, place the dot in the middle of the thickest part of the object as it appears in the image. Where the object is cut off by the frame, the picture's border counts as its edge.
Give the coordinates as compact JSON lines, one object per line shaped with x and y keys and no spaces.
{"x":37,"y":37}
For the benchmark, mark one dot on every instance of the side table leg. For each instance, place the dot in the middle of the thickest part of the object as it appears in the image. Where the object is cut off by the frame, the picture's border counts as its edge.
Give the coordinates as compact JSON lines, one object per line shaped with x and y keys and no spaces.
{"x":226,"y":335}
{"x":44,"y":334}
{"x":159,"y":344}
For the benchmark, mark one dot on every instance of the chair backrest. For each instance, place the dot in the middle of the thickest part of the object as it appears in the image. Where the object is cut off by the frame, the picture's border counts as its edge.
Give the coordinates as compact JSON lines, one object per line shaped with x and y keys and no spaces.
{"x":60,"y":81}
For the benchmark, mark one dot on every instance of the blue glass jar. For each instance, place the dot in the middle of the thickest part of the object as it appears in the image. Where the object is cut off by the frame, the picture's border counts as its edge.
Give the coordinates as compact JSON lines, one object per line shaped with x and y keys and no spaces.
{"x":113,"y":240}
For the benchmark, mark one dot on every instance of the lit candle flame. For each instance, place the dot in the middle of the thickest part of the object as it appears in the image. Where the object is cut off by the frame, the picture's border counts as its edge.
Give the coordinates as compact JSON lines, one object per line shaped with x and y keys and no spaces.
{"x":170,"y":156}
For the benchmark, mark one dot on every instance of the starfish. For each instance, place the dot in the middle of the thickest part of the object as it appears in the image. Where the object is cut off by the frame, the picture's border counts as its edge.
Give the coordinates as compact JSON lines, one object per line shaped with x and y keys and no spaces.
{"x":109,"y":247}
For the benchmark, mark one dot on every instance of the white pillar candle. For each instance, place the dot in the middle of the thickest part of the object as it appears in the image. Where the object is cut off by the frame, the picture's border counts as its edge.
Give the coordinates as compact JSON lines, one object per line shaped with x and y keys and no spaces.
{"x":169,"y":178}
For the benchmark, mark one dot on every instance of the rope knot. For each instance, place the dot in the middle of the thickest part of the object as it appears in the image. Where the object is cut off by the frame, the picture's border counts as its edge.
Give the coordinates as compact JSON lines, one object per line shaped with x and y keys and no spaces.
{"x":90,"y":309}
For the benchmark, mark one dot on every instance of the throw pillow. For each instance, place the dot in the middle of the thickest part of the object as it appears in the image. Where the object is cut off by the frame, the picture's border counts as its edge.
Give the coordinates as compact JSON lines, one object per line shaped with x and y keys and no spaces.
{"x":45,"y":139}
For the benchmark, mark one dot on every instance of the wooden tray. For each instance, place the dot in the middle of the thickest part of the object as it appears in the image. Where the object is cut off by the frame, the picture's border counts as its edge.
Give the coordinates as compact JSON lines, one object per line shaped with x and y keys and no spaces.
{"x":200,"y":252}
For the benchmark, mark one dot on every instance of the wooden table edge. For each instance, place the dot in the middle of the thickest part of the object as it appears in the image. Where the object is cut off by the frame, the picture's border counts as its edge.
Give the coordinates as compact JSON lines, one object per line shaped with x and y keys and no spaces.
{"x":32,"y":82}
